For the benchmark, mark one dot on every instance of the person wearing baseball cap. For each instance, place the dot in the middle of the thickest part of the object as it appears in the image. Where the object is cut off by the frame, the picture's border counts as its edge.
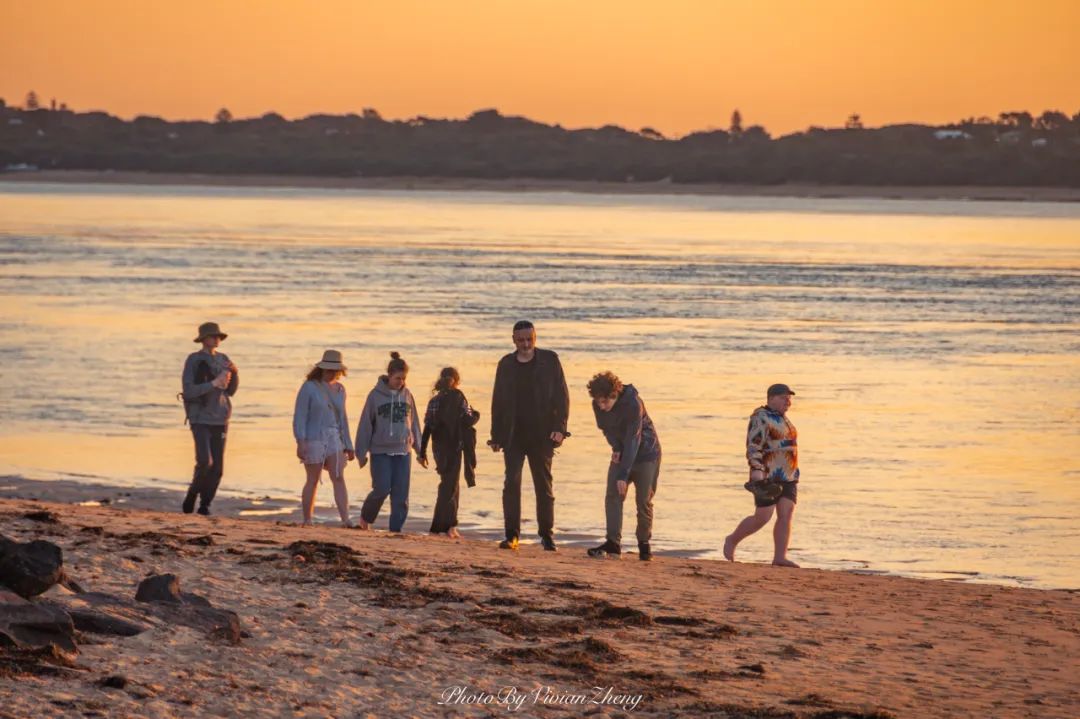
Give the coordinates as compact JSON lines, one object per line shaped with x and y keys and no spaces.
{"x":772,"y":450}
{"x":209,"y":380}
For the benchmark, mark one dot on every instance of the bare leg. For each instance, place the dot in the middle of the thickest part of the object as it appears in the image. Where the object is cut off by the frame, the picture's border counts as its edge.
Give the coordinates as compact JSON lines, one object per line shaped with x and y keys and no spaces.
{"x":307,"y":498}
{"x":785,"y":512}
{"x":341,"y":498}
{"x":748,"y":526}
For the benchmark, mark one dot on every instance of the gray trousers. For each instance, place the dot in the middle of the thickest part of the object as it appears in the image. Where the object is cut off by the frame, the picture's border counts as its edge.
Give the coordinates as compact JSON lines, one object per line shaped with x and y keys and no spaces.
{"x":643,"y":477}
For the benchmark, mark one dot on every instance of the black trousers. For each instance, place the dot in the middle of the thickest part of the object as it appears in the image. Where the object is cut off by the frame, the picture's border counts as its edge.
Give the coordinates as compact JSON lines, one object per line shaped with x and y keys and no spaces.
{"x":446,"y":502}
{"x":539,"y":454}
{"x":209,"y":461}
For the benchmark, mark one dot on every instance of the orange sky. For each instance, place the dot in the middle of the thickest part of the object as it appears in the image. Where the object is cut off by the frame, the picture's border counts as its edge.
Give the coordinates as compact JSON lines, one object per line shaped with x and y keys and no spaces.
{"x":675,"y":66}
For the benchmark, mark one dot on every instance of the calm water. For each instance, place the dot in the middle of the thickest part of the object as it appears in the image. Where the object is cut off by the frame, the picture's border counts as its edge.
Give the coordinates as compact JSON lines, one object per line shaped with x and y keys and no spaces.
{"x":933,"y":346}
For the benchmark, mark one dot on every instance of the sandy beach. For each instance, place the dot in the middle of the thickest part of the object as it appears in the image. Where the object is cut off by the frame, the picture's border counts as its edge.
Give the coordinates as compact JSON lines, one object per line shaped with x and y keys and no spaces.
{"x":942,"y":192}
{"x":344,"y":623}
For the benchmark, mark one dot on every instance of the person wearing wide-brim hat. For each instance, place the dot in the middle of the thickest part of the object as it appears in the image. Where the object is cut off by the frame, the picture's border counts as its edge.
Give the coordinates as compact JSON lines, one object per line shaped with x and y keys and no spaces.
{"x":210,"y":379}
{"x":321,"y":429}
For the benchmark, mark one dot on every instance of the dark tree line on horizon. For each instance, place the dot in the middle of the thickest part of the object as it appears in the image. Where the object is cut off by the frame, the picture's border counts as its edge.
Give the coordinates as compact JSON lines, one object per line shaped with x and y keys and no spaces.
{"x":1016,"y":148}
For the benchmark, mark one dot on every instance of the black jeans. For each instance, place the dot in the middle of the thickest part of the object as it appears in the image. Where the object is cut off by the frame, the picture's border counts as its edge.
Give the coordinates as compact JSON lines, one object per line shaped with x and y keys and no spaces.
{"x":209,"y":461}
{"x":446,"y":503}
{"x":539,"y":454}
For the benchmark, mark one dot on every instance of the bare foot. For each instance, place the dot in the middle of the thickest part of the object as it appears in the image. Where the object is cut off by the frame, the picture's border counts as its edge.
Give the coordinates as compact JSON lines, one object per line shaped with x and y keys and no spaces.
{"x":363,"y":524}
{"x":784,"y":563}
{"x":307,"y":523}
{"x":453,"y":533}
{"x":729,"y":549}
{"x":348,"y":524}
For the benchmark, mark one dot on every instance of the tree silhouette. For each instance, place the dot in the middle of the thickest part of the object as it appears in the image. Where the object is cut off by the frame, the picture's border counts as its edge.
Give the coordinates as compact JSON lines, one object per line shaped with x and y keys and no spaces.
{"x":223,"y":116}
{"x":650,"y":133}
{"x":736,"y":123}
{"x":854,"y":122}
{"x":32,"y":101}
{"x":1016,"y":120}
{"x":1052,"y":120}
{"x":370,"y":113}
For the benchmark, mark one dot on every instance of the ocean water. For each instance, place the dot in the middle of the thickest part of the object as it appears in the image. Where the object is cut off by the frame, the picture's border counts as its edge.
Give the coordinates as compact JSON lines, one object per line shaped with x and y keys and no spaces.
{"x":933,"y":346}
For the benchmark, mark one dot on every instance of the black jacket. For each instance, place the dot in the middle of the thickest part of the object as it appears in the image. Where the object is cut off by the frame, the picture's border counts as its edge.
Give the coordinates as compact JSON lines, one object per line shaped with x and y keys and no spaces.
{"x":552,"y":398}
{"x":450,"y":429}
{"x":629,"y":430}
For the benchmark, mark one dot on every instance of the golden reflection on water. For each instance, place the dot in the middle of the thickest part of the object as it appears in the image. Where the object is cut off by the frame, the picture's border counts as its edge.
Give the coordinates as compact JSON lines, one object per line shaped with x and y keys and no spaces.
{"x":931,"y":431}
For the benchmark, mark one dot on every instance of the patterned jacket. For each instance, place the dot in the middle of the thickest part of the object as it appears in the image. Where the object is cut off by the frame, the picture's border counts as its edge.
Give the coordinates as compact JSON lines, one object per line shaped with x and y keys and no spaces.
{"x":772,"y":445}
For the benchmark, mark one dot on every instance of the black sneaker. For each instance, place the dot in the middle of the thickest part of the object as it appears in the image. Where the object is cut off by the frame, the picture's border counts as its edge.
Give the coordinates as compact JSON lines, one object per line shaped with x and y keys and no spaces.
{"x":189,"y":502}
{"x":204,"y":511}
{"x":511,"y":543}
{"x":548,"y":544}
{"x":644,"y":552}
{"x":607,"y":549}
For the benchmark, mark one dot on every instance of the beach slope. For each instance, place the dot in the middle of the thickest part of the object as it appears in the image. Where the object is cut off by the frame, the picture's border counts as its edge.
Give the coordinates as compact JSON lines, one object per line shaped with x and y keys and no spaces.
{"x":343,"y":623}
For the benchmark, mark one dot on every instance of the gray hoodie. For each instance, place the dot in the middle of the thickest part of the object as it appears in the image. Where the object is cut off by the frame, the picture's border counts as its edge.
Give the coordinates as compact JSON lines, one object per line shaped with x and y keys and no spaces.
{"x":389,"y":423}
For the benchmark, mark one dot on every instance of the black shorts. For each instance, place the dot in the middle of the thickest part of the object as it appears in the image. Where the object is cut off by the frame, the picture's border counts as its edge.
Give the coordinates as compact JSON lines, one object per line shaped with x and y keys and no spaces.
{"x":791,"y":491}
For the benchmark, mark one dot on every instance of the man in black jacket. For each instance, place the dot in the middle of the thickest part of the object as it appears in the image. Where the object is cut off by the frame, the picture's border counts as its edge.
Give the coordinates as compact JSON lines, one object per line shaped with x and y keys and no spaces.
{"x":529,"y":408}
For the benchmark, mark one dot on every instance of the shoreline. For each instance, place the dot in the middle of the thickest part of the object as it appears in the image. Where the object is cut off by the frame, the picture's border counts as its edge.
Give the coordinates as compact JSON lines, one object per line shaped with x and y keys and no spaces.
{"x":96,"y":491}
{"x":340,"y":622}
{"x":525,"y":185}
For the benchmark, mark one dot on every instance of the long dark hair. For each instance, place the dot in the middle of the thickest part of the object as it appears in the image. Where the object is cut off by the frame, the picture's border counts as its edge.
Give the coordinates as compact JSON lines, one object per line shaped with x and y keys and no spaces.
{"x":315,"y":374}
{"x":448,"y":379}
{"x":396,"y":364}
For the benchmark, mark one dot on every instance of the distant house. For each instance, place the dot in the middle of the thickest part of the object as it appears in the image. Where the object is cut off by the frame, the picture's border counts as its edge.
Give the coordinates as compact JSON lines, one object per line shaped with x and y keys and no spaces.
{"x":15,"y":121}
{"x":1040,"y":142}
{"x":951,"y":135}
{"x":1010,"y":138}
{"x":20,"y":167}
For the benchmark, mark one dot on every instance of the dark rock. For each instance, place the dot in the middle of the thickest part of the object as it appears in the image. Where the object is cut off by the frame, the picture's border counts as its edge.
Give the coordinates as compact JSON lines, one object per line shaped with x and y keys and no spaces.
{"x":159,"y":588}
{"x":166,"y":602}
{"x":31,"y":568}
{"x":114,"y":681}
{"x":166,"y":588}
{"x":204,"y":541}
{"x":33,"y":626}
{"x":43,"y":515}
{"x":88,"y":620}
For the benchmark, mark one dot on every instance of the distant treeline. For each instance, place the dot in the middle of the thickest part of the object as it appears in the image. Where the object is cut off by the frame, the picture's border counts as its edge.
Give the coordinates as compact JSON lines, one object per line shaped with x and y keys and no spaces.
{"x":1014,"y":149}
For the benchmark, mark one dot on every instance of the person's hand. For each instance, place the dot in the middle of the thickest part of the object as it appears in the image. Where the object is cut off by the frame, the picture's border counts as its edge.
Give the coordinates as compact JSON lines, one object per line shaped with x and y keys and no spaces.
{"x":422,"y":460}
{"x":756,"y":475}
{"x":222,"y":380}
{"x":232,"y":367}
{"x":349,"y":455}
{"x":361,"y":462}
{"x":622,"y":486}
{"x":615,"y":457}
{"x":557,"y":438}
{"x":495,"y":447}
{"x":301,"y":450}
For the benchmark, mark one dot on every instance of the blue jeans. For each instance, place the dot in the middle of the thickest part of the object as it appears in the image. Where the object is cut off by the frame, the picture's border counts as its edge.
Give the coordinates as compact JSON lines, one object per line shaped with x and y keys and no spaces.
{"x":389,"y":476}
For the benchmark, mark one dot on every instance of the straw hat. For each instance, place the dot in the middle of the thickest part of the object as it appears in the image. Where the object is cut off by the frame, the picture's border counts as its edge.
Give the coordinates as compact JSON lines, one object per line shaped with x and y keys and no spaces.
{"x":331,"y":359}
{"x":210,"y":329}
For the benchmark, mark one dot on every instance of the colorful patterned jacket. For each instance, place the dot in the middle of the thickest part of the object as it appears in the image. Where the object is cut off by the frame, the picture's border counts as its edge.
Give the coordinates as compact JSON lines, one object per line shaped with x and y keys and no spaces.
{"x":772,"y":445}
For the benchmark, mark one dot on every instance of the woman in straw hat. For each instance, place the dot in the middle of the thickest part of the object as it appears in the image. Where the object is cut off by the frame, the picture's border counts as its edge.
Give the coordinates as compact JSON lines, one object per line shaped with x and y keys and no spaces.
{"x":320,"y":427}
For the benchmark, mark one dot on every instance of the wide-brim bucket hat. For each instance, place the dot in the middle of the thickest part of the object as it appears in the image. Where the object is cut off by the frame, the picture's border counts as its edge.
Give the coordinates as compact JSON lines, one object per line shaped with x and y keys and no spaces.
{"x":332,"y":360}
{"x":210,"y":329}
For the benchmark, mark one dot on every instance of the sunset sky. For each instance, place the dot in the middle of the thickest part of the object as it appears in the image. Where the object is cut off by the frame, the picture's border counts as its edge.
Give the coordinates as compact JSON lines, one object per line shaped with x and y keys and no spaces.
{"x":675,"y":66}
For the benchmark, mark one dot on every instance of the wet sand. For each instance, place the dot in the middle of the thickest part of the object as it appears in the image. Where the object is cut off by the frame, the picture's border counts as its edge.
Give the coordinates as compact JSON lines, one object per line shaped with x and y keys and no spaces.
{"x":348,"y":623}
{"x":930,"y":192}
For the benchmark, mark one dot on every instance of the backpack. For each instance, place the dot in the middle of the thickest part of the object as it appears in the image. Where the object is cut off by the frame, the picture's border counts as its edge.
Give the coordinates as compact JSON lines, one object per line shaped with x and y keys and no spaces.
{"x":203,"y":374}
